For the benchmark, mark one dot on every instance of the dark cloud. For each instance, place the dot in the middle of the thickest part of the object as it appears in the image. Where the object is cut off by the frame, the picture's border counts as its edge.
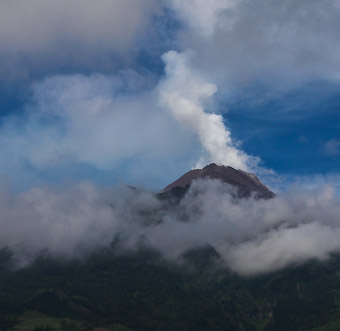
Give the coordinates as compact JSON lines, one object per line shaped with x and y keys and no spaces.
{"x":79,"y":35}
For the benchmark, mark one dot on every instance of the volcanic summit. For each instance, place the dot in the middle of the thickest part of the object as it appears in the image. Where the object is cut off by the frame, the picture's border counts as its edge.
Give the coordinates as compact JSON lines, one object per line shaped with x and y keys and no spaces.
{"x":246,"y":183}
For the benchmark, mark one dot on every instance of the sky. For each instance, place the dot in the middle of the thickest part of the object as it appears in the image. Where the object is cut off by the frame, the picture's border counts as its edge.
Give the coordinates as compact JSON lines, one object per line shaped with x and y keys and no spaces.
{"x":141,"y":92}
{"x":95,"y":95}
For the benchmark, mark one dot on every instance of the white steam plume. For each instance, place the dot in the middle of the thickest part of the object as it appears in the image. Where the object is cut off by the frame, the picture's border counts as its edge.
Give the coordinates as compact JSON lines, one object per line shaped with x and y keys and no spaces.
{"x":184,"y":92}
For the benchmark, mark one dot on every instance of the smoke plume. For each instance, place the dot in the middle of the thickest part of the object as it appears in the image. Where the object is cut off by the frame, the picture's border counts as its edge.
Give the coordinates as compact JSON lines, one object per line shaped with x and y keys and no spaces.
{"x":184,"y":92}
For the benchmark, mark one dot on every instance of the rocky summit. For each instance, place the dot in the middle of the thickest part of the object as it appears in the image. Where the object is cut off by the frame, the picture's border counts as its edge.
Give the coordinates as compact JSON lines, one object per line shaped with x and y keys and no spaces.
{"x":247,"y":184}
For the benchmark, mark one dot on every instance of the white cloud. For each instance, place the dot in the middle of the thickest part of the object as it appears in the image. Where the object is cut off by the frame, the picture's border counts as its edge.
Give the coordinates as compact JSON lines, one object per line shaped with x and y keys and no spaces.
{"x":280,"y":248}
{"x":252,"y":236}
{"x":94,"y":120}
{"x":68,"y":222}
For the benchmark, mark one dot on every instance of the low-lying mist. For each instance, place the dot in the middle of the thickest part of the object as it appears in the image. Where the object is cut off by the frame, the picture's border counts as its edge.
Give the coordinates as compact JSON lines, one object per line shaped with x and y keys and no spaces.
{"x":251,"y":235}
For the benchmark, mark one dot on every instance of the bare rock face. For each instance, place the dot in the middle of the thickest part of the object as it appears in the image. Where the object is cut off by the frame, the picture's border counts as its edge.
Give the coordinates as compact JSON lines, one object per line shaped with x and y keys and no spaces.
{"x":246,"y":183}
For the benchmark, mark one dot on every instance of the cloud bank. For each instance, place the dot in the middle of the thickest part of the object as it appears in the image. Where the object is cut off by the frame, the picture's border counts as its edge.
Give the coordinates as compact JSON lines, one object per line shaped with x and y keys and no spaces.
{"x":99,"y":121}
{"x":245,"y":43}
{"x":252,"y":236}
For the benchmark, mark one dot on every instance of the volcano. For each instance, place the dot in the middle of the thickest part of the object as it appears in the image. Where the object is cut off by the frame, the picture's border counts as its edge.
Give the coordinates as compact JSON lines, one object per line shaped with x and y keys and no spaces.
{"x":247,"y":184}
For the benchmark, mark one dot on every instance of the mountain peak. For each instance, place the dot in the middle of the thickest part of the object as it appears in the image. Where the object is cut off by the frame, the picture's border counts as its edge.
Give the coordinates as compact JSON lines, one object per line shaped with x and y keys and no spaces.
{"x":246,"y":183}
{"x":211,"y":165}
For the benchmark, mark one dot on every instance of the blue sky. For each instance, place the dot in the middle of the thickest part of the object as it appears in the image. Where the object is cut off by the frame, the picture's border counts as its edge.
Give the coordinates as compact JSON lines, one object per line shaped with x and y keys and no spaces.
{"x":300,"y":137}
{"x":86,"y":92}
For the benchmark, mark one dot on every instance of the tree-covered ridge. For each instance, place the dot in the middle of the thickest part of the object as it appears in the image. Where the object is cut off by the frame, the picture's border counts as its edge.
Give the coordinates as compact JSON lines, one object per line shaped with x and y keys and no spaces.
{"x":141,"y":291}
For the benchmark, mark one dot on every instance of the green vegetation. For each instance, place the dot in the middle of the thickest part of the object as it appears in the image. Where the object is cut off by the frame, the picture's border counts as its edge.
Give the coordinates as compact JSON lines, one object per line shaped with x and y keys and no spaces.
{"x":32,"y":320}
{"x":143,"y":292}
